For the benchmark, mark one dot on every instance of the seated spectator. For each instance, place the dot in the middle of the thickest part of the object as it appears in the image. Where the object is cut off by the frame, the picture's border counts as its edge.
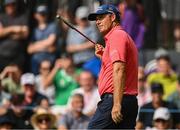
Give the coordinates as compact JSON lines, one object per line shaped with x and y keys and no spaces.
{"x":19,"y":113}
{"x":89,"y":91}
{"x":152,"y":66}
{"x":4,"y":97}
{"x":175,"y":97}
{"x":11,"y":79}
{"x":164,"y":75}
{"x":161,"y":119}
{"x":64,"y":76}
{"x":74,"y":119}
{"x":6,"y":123}
{"x":43,"y":39}
{"x":81,"y":49}
{"x":146,"y":111}
{"x":42,"y":119}
{"x":13,"y":34}
{"x":144,"y":94}
{"x":48,"y":91}
{"x":31,"y":97}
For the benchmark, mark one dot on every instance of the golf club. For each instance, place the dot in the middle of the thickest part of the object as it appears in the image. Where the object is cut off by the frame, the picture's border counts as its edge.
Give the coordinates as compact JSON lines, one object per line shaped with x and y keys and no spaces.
{"x":71,"y":26}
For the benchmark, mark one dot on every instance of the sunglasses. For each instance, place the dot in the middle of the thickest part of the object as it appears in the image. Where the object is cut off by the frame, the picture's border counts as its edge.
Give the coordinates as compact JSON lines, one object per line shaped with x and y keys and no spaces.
{"x":44,"y":119}
{"x":161,"y":120}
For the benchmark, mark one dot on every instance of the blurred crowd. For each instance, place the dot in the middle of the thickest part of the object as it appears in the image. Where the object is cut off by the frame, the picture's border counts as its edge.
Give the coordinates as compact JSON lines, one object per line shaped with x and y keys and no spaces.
{"x":49,"y":73}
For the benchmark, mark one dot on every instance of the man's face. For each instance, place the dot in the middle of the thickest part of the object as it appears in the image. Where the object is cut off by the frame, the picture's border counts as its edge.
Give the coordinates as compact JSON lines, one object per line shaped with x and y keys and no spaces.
{"x":164,"y":66}
{"x":161,"y":124}
{"x":77,"y":104}
{"x":157,"y":97}
{"x":10,"y":8}
{"x":86,"y":81}
{"x":104,"y":22}
{"x":29,"y":90}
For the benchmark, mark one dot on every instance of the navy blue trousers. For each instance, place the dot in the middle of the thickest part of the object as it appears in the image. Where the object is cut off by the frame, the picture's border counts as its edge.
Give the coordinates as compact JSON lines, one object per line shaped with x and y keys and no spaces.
{"x":102,"y":118}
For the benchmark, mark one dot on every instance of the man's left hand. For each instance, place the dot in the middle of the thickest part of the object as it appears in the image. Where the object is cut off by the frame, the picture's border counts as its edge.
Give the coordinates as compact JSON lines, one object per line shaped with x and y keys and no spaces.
{"x":116,"y":114}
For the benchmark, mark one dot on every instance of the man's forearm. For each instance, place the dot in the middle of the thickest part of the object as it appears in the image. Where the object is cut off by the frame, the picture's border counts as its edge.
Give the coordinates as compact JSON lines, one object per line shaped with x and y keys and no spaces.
{"x":5,"y":31}
{"x":118,"y":82}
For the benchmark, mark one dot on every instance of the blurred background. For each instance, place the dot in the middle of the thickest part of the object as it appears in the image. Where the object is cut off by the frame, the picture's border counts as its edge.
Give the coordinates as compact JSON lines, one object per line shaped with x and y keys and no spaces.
{"x":49,"y":73}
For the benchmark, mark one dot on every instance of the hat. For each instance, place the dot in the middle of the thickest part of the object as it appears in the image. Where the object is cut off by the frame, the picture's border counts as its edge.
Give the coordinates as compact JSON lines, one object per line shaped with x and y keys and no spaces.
{"x":6,"y":2}
{"x":82,"y":12}
{"x":104,"y":9}
{"x":41,"y":112}
{"x":161,"y":52}
{"x":28,"y":78}
{"x":157,"y":88}
{"x":42,"y":9}
{"x":161,"y":113}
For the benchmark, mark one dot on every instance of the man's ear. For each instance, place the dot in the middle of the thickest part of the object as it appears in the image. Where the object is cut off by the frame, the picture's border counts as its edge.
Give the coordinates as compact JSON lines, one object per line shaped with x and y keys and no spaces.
{"x":113,"y":17}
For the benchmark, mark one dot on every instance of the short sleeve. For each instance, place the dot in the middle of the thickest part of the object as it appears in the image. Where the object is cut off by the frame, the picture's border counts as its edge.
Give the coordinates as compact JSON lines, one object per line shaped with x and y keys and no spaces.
{"x":118,"y":46}
{"x":52,"y":28}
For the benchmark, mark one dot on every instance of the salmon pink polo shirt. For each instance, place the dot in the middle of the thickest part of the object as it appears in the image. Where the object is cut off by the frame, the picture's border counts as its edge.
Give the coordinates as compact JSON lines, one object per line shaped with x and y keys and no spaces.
{"x":119,"y":47}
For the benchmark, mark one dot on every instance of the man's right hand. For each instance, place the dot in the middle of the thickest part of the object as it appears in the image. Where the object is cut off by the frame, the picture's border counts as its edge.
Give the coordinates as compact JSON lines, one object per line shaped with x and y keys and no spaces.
{"x":99,"y":49}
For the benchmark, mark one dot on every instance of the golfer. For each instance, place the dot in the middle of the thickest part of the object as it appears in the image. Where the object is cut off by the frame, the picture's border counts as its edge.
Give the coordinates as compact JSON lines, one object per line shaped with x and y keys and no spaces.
{"x":118,"y":76}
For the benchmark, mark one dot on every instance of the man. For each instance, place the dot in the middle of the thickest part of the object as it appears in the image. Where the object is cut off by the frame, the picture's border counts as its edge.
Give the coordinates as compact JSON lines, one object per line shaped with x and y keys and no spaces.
{"x":44,"y":36}
{"x":89,"y":90}
{"x":164,"y":75}
{"x":31,"y":97}
{"x":145,"y":118}
{"x":162,"y":119}
{"x":78,"y":46}
{"x":118,"y":76}
{"x":13,"y":35}
{"x":74,"y":119}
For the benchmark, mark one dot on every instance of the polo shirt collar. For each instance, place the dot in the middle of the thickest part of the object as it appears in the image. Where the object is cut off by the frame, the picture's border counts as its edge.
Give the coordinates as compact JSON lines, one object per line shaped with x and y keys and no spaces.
{"x":109,"y":33}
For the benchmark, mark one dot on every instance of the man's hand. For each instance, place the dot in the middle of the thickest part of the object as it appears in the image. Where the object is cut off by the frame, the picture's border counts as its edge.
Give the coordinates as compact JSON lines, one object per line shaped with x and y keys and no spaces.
{"x":116,"y":113}
{"x":99,"y":49}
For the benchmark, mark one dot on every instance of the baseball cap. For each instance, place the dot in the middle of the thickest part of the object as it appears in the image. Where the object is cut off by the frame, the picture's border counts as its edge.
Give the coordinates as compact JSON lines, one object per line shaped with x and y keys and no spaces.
{"x":28,"y":78}
{"x":42,"y":9}
{"x":157,"y":88}
{"x":161,"y":52}
{"x":82,"y":12}
{"x":104,"y":9}
{"x":161,"y":113}
{"x":6,"y":2}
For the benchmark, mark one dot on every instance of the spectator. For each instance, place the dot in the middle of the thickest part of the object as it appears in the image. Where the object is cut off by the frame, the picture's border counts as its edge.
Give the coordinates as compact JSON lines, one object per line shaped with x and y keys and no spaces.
{"x":175,"y":97}
{"x":144,"y":95}
{"x":164,"y":75}
{"x":19,"y":113}
{"x":31,"y":97}
{"x":43,"y":120}
{"x":74,"y":119}
{"x":152,"y":19}
{"x":4,"y":97}
{"x":145,"y":117}
{"x":64,"y":77}
{"x":161,"y":119}
{"x":170,"y":23}
{"x":6,"y":123}
{"x":11,"y":79}
{"x":80,"y":47}
{"x":132,"y":22}
{"x":43,"y":39}
{"x":89,"y":91}
{"x":13,"y":35}
{"x":152,"y":66}
{"x":48,"y":91}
